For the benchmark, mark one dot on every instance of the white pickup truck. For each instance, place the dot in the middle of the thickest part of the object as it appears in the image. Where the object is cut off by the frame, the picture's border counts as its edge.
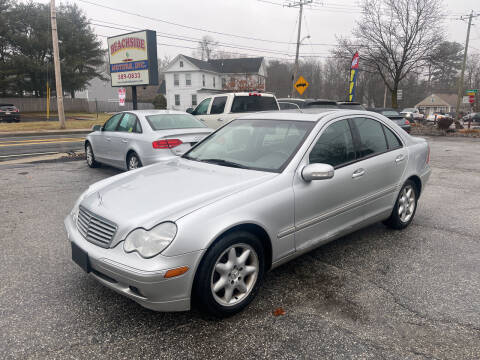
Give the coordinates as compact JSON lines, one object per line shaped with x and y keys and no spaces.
{"x":217,"y":110}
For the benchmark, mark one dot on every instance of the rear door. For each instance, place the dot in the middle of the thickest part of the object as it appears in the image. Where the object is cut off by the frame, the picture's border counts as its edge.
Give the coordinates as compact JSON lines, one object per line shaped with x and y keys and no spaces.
{"x":122,"y":138}
{"x":382,"y":159}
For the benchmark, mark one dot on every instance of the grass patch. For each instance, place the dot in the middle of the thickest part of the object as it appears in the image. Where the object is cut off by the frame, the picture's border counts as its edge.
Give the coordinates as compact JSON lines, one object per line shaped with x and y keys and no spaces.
{"x":71,"y":122}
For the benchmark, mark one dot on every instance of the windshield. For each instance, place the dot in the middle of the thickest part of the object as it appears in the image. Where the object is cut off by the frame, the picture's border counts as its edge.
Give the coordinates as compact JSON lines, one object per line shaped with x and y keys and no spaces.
{"x":173,"y":121}
{"x":253,"y":103}
{"x":391,"y":113}
{"x":266,"y":145}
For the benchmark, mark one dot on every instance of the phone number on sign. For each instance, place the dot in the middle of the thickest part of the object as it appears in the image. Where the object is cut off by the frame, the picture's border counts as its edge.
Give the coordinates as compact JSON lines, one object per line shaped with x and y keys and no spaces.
{"x":135,"y":75}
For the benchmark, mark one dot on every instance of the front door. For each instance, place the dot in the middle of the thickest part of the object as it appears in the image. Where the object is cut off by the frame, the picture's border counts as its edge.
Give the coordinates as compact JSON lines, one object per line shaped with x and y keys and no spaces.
{"x":325,"y":208}
{"x":103,"y":142}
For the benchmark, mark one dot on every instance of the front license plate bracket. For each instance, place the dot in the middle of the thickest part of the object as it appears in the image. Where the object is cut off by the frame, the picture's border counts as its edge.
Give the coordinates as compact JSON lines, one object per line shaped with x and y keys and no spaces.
{"x":80,"y":257}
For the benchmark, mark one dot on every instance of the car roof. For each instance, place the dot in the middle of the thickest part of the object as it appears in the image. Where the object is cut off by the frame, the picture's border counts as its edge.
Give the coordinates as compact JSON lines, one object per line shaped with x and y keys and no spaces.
{"x":154,"y":112}
{"x":301,"y":116}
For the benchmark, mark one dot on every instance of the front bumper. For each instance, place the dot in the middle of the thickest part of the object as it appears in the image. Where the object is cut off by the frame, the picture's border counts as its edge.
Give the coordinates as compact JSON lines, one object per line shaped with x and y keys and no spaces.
{"x":10,"y":117}
{"x":141,"y":280}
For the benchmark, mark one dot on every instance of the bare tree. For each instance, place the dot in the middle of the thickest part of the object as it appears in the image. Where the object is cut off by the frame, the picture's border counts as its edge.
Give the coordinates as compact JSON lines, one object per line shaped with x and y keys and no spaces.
{"x":206,"y":48}
{"x":395,"y":37}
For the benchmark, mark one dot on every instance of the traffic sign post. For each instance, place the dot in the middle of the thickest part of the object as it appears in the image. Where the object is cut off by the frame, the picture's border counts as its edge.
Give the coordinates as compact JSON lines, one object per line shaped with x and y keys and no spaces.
{"x":301,"y":85}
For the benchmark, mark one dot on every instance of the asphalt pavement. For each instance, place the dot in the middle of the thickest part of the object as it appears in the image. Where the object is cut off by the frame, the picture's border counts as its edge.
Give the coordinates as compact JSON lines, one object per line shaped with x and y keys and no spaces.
{"x":19,"y":147}
{"x":377,"y":293}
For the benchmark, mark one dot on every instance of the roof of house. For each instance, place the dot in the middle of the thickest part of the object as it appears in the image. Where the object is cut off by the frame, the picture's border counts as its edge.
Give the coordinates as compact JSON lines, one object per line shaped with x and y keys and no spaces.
{"x":439,"y":100}
{"x":228,"y":66}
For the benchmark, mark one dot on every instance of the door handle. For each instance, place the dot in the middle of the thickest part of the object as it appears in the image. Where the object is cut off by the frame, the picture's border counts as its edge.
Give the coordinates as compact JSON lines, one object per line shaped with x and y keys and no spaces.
{"x":108,"y":139}
{"x":400,"y":158}
{"x":357,"y":173}
{"x":124,"y":140}
{"x":219,"y":119}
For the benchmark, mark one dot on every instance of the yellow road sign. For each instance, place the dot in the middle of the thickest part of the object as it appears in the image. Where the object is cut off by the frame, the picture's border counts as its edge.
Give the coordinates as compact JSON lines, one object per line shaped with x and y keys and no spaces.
{"x":301,"y":85}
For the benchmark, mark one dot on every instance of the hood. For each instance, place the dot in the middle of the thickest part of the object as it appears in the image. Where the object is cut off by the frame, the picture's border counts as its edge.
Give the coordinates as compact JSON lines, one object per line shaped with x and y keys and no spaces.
{"x":167,"y":191}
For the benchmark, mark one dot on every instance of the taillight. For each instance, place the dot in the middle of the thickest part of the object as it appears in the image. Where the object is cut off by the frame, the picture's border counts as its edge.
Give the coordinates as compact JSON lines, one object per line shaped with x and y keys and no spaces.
{"x":407,"y":122}
{"x":166,"y":143}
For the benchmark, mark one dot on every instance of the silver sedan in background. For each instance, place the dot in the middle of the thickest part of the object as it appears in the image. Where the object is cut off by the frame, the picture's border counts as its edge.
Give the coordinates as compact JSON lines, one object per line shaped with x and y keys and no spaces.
{"x":262,"y":190}
{"x":132,"y":139}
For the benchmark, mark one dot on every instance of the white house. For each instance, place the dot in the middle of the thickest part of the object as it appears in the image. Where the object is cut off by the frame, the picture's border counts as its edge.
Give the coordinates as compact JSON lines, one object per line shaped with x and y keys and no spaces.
{"x":188,"y":80}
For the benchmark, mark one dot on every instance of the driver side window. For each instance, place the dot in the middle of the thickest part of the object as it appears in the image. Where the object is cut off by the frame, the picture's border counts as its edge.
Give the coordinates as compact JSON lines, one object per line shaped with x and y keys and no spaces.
{"x":112,"y":123}
{"x":335,"y":145}
{"x":202,"y":108}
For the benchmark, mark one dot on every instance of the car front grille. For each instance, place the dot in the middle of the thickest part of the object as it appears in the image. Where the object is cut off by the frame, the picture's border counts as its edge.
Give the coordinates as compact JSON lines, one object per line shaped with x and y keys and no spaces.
{"x":95,"y":229}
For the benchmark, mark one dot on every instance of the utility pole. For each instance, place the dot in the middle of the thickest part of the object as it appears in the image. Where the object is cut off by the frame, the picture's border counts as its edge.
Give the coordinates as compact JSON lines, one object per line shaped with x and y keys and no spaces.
{"x":56,"y":61}
{"x":462,"y":74}
{"x":300,"y":5}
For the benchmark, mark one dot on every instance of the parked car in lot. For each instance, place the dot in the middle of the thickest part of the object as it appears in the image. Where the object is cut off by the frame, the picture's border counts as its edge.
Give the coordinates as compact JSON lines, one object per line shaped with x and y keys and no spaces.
{"x":131,"y":139}
{"x":216,"y":111}
{"x":9,"y":113}
{"x":395,"y":116}
{"x":412,"y":114}
{"x":321,"y":104}
{"x":286,"y":105}
{"x":472,"y":117}
{"x":260,"y":191}
{"x":433,"y":117}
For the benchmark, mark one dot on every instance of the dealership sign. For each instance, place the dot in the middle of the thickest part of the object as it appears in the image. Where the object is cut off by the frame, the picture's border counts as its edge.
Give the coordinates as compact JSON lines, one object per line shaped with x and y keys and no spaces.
{"x":133,"y":58}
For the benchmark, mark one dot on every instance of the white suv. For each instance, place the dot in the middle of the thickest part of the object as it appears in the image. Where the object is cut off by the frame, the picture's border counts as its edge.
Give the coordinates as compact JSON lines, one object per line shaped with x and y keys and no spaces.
{"x":215,"y":111}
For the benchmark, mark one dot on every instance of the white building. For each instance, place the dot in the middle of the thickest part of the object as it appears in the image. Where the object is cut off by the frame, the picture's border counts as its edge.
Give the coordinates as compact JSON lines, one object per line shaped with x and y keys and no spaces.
{"x":188,"y":80}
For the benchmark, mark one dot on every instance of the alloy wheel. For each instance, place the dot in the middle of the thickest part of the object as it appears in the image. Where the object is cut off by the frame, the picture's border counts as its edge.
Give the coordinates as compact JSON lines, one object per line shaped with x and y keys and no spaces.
{"x":406,"y":206}
{"x":133,"y":162}
{"x":234,"y":274}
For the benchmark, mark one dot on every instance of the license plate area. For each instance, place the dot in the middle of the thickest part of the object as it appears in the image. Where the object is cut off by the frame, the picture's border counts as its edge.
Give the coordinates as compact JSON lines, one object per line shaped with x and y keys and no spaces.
{"x":80,"y":257}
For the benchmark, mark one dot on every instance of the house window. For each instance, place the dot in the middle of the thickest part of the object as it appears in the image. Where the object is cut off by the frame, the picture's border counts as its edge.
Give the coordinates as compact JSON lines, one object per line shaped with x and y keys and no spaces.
{"x":188,"y":79}
{"x":194,"y":99}
{"x":181,"y":63}
{"x":224,"y":83}
{"x":176,"y":80}
{"x":214,"y":81}
{"x":203,"y":80}
{"x":177,"y":100}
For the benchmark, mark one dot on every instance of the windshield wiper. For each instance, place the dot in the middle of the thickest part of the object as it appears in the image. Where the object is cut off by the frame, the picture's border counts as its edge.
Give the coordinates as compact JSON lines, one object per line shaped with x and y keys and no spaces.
{"x":222,"y":162}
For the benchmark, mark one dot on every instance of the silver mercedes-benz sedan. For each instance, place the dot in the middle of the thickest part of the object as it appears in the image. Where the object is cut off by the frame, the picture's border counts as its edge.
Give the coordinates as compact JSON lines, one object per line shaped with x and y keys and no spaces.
{"x":204,"y":228}
{"x":132,"y":139}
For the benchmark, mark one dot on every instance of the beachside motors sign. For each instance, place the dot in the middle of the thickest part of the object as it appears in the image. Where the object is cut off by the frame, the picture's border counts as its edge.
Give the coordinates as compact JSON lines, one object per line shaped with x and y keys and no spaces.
{"x":133,"y":58}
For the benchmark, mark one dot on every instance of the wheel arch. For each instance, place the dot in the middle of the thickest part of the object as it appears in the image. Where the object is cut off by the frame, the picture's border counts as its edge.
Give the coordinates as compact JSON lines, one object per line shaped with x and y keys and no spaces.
{"x":418,"y":183}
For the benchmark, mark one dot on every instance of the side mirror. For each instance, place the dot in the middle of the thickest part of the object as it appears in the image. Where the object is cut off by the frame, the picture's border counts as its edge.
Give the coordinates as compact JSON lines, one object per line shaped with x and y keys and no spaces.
{"x":189,"y":110}
{"x":97,"y":128}
{"x":317,"y":172}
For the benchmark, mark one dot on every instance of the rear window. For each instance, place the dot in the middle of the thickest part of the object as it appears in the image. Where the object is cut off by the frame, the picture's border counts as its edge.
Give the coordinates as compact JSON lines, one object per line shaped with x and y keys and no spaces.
{"x":253,"y":103}
{"x":351,"y":106}
{"x":7,"y":107}
{"x":321,"y":104}
{"x":173,"y":121}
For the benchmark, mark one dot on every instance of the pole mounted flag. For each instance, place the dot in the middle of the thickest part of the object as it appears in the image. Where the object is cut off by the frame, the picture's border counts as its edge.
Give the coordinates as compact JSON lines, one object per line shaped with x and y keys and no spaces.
{"x":353,"y":77}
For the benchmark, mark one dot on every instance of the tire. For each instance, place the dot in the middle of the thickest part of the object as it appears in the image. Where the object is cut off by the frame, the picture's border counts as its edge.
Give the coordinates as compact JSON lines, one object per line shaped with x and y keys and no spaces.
{"x":133,"y":161}
{"x":242,"y":274}
{"x":402,"y":215}
{"x":90,"y":156}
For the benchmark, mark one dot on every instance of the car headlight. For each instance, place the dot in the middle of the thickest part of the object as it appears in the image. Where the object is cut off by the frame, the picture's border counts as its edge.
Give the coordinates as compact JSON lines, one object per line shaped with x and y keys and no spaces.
{"x":152,"y":242}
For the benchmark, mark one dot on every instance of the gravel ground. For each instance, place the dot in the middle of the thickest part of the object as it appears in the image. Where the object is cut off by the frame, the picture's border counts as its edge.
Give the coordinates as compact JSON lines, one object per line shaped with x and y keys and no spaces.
{"x":376,"y":293}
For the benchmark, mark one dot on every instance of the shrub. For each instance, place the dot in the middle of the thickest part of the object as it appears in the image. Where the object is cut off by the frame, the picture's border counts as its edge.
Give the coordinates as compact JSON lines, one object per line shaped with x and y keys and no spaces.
{"x":160,"y":102}
{"x":444,"y":123}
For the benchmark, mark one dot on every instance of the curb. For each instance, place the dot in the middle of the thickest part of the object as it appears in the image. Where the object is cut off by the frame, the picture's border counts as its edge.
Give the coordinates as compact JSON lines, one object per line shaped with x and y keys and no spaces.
{"x":43,"y":159}
{"x":45,"y":132}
